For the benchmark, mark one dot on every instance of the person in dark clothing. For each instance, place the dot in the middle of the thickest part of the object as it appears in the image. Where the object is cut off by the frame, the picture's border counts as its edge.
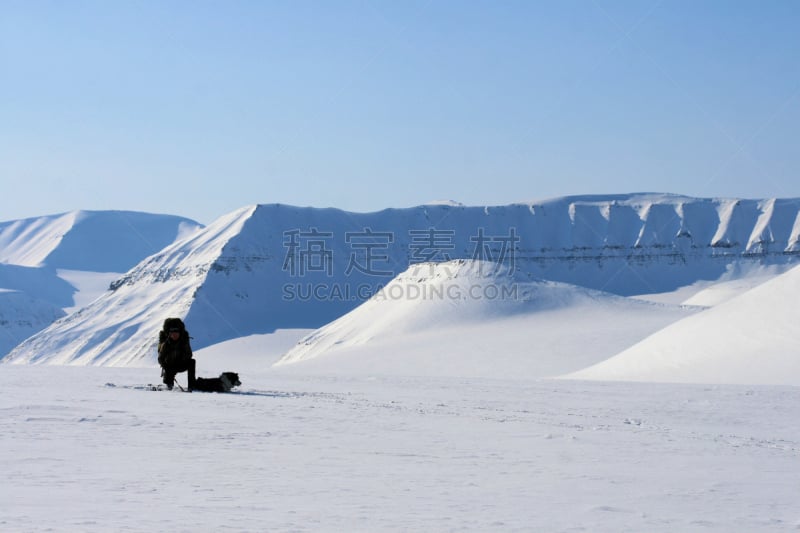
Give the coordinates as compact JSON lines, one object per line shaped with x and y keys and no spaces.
{"x":175,"y":352}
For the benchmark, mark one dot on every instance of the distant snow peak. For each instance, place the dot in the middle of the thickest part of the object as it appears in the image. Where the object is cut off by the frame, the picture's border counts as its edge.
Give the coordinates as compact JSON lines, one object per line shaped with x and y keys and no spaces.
{"x":98,"y":241}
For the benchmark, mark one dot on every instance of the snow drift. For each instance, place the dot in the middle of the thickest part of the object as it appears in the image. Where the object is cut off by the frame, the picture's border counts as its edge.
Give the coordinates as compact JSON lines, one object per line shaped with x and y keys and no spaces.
{"x":475,"y":319}
{"x":750,"y":339}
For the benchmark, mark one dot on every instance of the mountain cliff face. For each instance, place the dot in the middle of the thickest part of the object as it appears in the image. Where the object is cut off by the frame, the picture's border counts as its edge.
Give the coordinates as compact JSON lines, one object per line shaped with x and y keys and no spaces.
{"x":274,"y":266}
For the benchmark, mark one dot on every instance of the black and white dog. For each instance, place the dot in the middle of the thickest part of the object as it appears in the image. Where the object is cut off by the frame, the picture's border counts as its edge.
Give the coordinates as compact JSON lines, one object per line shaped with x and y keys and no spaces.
{"x":224,"y":383}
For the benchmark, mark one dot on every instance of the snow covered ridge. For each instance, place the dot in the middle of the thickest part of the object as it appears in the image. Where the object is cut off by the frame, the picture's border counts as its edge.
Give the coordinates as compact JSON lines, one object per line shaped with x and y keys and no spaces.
{"x":269,"y":267}
{"x":634,"y":228}
{"x":95,"y":241}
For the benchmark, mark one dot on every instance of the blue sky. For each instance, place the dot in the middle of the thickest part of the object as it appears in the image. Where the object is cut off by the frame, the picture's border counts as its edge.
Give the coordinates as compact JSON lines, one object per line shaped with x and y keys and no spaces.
{"x":198,"y":108}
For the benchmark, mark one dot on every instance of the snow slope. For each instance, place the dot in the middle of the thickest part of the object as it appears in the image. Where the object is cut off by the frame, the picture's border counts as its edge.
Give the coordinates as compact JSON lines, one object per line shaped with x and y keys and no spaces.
{"x":253,"y":353}
{"x":739,"y":278}
{"x":752,"y":338}
{"x":282,"y":267}
{"x":473,"y":319}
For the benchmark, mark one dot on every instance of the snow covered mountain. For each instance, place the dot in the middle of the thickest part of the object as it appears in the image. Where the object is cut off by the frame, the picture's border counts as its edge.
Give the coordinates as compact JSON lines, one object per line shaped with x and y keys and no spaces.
{"x":271,"y":267}
{"x":44,"y":260}
{"x":95,"y":241}
{"x":108,"y":330}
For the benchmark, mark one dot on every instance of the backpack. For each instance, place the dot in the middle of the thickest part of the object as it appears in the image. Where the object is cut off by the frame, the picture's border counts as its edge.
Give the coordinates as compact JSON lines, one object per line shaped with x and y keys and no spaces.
{"x":163,"y":335}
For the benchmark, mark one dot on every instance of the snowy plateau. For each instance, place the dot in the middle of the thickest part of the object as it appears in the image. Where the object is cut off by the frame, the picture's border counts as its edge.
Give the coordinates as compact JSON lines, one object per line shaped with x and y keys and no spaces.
{"x":593,"y":363}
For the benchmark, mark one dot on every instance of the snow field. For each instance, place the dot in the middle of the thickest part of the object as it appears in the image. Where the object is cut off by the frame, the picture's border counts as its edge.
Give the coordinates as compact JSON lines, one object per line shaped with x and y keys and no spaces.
{"x":299,"y":453}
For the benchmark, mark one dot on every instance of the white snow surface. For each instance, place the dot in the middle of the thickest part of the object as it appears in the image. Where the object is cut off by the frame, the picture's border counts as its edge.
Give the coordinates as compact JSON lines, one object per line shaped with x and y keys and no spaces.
{"x":315,"y":453}
{"x":475,"y":319}
{"x":89,"y":286}
{"x":751,"y":338}
{"x":739,"y":278}
{"x":254,"y":352}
